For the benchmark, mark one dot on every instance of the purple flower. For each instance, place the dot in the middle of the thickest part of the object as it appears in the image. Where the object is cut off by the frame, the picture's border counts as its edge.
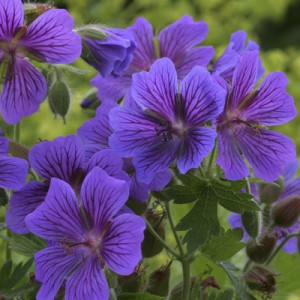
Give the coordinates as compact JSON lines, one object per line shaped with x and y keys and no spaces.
{"x":291,"y":188}
{"x":13,"y":170}
{"x":241,"y":127}
{"x":226,"y":63}
{"x":167,"y":124}
{"x":111,"y":52}
{"x":63,"y":158}
{"x":85,"y":235}
{"x":176,"y":42}
{"x":95,"y":134}
{"x":49,"y":38}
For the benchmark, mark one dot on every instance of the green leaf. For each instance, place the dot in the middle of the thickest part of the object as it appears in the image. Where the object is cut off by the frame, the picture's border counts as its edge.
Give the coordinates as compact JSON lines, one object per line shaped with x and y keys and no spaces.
{"x":188,"y":192}
{"x":10,"y":279}
{"x":212,"y":295}
{"x":2,"y":226}
{"x":228,"y":195}
{"x":201,"y":221}
{"x":138,"y":296}
{"x":251,"y":223}
{"x":26,"y":245}
{"x":226,"y":295}
{"x":258,"y":180}
{"x":224,"y":246}
{"x":240,"y":286}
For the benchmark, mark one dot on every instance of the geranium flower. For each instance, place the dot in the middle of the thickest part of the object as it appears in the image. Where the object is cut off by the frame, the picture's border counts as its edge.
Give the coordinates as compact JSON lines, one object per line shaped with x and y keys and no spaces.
{"x":49,"y":38}
{"x":177,"y":42}
{"x":241,"y":128}
{"x":85,"y":236}
{"x":167,"y":124}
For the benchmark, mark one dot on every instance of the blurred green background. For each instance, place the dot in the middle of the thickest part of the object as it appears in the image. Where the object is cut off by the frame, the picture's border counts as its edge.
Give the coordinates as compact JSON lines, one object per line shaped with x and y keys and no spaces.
{"x":274,"y":24}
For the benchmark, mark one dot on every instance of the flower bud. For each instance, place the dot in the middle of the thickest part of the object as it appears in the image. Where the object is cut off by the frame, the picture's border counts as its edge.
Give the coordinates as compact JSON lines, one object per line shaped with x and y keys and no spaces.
{"x":33,"y":10}
{"x":286,"y":212}
{"x":134,"y":283}
{"x":158,"y":281}
{"x":91,"y":100}
{"x":59,"y":97}
{"x":151,"y":246}
{"x":97,"y":46}
{"x":269,"y":193}
{"x":261,"y":250}
{"x":261,"y":279}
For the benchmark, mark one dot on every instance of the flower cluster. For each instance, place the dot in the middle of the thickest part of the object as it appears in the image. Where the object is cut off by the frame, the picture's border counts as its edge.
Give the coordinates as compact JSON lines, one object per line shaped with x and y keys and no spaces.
{"x":163,"y":112}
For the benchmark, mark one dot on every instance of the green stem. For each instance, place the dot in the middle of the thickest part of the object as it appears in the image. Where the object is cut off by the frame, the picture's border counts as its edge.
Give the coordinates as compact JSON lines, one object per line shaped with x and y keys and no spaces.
{"x":247,"y":265}
{"x":248,"y":188}
{"x":185,"y":262}
{"x":166,"y":246}
{"x":184,"y":258}
{"x":178,"y":241}
{"x":202,"y":173}
{"x":280,"y":246}
{"x":211,"y":161}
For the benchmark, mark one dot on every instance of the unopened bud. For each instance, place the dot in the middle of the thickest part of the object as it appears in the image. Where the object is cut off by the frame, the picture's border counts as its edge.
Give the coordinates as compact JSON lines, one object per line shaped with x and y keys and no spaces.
{"x":158,"y":282}
{"x":261,"y":279}
{"x":269,"y":193}
{"x":151,"y":246}
{"x":59,"y":97}
{"x":286,"y":212}
{"x":91,"y":100}
{"x":92,"y":32}
{"x":260,"y":251}
{"x":134,"y":283}
{"x":33,"y":10}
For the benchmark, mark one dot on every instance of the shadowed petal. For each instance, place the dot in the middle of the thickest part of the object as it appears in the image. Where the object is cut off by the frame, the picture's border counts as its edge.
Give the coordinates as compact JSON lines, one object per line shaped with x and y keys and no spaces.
{"x":53,"y":265}
{"x":102,"y":197}
{"x":133,"y":130}
{"x":110,"y":162}
{"x":272,"y":105}
{"x":202,"y":99}
{"x":23,"y":90}
{"x":291,"y":188}
{"x":144,"y":55}
{"x":290,"y":170}
{"x":121,"y":247}
{"x":266,"y":151}
{"x":87,"y":282}
{"x":156,"y":157}
{"x":60,"y":158}
{"x":24,"y":202}
{"x":197,"y":145}
{"x":238,"y":39}
{"x":112,"y":88}
{"x":51,"y":39}
{"x":176,"y":40}
{"x":156,"y":90}
{"x":140,"y":190}
{"x":58,"y":218}
{"x":244,"y":78}
{"x":4,"y":144}
{"x":230,"y":158}
{"x":95,"y":133}
{"x":199,"y":56}
{"x":13,"y":172}
{"x":12,"y":17}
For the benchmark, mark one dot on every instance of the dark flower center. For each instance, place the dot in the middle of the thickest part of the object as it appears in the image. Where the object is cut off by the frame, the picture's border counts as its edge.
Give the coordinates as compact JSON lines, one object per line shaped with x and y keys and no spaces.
{"x":164,"y":130}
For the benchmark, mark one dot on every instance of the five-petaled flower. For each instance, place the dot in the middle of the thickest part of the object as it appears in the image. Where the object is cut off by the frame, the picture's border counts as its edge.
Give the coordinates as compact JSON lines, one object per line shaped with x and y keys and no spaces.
{"x":177,"y":42}
{"x":166,"y":124}
{"x":85,"y":235}
{"x":241,"y":127}
{"x":49,"y":38}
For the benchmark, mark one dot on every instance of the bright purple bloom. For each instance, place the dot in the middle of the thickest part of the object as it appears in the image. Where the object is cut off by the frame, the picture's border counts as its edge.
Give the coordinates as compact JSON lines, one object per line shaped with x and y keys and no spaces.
{"x":226,"y":63}
{"x":63,"y":158}
{"x":111,"y":54}
{"x":241,"y":127}
{"x":291,"y":188}
{"x":177,"y":42}
{"x":49,"y":38}
{"x":167,"y":124}
{"x":13,"y":171}
{"x":95,"y":134}
{"x":85,"y":235}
